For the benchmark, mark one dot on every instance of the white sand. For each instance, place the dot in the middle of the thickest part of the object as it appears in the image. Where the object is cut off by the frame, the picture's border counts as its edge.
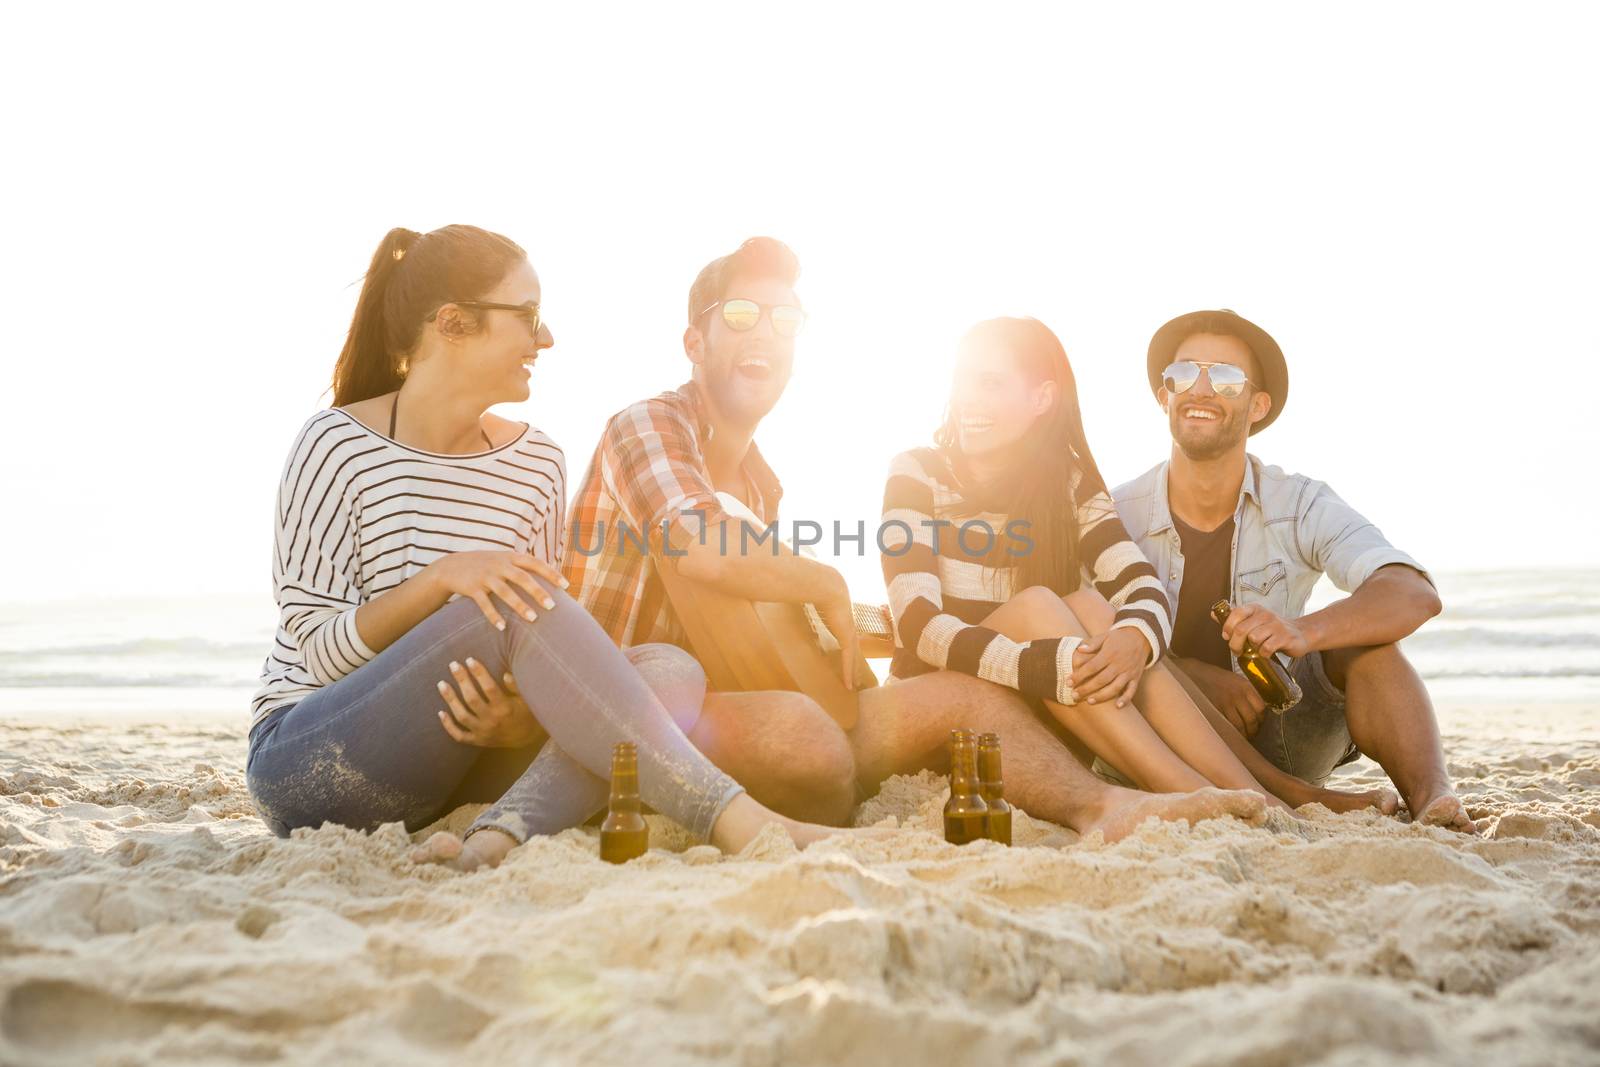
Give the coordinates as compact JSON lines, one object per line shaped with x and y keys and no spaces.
{"x":146,"y":916}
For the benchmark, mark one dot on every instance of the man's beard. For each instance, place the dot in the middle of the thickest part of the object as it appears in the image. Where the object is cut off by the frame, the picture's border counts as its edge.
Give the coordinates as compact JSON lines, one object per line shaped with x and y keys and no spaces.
{"x":731,"y":394}
{"x":1213,"y":445}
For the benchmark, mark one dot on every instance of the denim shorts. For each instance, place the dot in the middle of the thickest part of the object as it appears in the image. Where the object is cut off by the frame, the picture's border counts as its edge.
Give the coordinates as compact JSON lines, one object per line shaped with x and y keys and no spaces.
{"x":1308,"y":741}
{"x":1311,"y":738}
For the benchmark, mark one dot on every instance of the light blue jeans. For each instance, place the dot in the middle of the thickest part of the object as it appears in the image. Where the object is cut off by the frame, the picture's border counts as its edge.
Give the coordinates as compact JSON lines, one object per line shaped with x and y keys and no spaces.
{"x":369,"y":748}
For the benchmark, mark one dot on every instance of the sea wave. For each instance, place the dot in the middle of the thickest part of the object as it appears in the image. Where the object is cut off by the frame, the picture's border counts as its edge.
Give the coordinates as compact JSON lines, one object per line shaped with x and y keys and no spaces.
{"x":1439,"y":639}
{"x":197,"y":647}
{"x":1519,"y":609}
{"x":1482,"y":672}
{"x":90,"y":680}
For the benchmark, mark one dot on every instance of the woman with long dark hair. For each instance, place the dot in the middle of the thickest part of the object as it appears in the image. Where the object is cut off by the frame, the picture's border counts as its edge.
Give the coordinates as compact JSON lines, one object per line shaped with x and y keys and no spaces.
{"x":1006,"y":560}
{"x":418,"y":539}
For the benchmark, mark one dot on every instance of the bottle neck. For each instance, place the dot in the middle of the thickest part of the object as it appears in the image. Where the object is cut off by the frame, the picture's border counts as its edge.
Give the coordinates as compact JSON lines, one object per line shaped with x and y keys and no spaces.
{"x":989,"y":768}
{"x":624,"y":784}
{"x":963,"y":775}
{"x":1220,"y":612}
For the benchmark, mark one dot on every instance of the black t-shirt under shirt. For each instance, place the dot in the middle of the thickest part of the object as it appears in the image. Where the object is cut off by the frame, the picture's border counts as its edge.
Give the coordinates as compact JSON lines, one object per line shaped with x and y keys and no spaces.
{"x":1207,"y":566}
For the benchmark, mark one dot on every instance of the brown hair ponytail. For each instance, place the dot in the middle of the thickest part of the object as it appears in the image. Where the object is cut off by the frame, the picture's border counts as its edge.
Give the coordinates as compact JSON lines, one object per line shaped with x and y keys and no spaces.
{"x":411,"y":276}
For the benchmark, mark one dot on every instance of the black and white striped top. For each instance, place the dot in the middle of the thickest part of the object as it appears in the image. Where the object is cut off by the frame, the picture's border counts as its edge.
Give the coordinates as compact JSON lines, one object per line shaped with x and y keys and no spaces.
{"x":358,"y":514}
{"x":941,"y":583}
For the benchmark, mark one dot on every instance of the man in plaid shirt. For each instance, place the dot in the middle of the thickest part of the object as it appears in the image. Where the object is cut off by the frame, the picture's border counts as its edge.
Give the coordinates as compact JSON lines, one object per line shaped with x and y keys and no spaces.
{"x":649,"y":475}
{"x":656,"y":474}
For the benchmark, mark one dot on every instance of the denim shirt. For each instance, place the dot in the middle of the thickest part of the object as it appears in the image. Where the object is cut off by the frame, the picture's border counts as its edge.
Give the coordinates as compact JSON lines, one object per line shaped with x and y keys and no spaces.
{"x":1288,"y":531}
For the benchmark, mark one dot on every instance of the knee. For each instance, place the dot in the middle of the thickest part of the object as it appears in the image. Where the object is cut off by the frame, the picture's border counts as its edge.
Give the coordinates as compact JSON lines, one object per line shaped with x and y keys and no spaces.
{"x":1341,"y":665}
{"x":666,"y":663}
{"x":472,"y":627}
{"x":817,"y":769}
{"x":675,"y":677}
{"x":464,"y":615}
{"x":1039,"y":605}
{"x":1094,"y":611}
{"x":1035,"y":598}
{"x":565,"y":608}
{"x":820,"y":751}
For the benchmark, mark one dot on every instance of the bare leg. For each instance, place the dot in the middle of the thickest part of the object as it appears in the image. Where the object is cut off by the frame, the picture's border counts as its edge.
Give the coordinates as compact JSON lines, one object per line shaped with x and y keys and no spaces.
{"x":785,"y":749}
{"x":1283,"y":785}
{"x":905,"y":727}
{"x":1162,"y":742}
{"x":1391,"y":719}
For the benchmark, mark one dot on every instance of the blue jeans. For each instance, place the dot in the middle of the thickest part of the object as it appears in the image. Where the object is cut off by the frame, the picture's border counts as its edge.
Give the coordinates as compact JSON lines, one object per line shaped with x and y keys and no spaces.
{"x":369,"y":748}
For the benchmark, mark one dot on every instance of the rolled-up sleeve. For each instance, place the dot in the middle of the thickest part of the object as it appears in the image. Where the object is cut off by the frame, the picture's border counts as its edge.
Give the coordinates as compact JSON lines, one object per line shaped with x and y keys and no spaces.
{"x":652,"y":471}
{"x":1338,"y":540}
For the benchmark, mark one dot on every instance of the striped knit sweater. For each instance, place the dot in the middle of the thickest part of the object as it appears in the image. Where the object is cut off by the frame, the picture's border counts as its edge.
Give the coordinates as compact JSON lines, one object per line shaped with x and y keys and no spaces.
{"x":940,"y":586}
{"x":358,"y":514}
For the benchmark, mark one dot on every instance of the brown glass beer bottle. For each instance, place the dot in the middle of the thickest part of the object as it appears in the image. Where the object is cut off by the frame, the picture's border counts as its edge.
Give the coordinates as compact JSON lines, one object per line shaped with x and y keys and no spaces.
{"x":1268,"y":674}
{"x":997,"y":824}
{"x":624,"y":835}
{"x":965,"y":811}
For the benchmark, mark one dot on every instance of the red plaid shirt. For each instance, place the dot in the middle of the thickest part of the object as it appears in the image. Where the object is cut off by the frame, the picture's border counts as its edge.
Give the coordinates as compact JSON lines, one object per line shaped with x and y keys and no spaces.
{"x":648,"y":474}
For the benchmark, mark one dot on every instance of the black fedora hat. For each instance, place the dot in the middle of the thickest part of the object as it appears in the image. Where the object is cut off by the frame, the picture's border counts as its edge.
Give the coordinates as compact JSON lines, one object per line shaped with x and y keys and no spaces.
{"x":1269,"y":357}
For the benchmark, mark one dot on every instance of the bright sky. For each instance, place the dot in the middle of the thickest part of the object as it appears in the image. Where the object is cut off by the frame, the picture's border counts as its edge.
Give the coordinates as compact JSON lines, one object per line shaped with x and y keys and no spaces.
{"x":1404,"y":195}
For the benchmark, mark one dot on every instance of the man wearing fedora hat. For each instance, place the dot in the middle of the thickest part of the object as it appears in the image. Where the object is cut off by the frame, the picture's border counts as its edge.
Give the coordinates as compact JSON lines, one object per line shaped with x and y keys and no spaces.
{"x":1218,"y":524}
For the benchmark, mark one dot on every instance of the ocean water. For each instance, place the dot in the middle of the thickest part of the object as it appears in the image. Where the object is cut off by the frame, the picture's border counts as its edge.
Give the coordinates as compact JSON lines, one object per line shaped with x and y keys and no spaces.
{"x":1519,"y":636}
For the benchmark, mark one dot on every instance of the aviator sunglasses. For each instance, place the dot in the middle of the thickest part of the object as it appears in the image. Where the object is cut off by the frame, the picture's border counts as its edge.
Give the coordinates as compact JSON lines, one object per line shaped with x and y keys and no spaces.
{"x":1226,"y":379}
{"x":742,"y":315}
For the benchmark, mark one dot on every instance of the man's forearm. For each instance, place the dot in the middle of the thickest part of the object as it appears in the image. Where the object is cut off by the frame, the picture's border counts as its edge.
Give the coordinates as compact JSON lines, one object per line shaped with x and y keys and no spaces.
{"x":1388,"y":606}
{"x":757,"y":573}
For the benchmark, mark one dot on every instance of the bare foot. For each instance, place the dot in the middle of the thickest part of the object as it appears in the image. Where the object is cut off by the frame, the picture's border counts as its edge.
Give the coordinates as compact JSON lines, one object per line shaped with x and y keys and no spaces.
{"x":1446,"y":810}
{"x":809,"y":833}
{"x":744,"y":818}
{"x":484,"y":849}
{"x":1386,"y":800}
{"x":1124,"y":809}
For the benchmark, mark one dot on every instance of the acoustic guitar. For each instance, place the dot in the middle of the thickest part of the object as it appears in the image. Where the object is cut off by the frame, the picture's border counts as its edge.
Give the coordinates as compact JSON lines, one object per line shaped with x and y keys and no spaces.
{"x":746,"y":646}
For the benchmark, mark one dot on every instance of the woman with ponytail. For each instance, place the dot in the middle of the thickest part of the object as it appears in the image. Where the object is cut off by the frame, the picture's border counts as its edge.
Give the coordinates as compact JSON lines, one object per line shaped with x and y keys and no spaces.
{"x":419,"y":539}
{"x":1005,"y":559}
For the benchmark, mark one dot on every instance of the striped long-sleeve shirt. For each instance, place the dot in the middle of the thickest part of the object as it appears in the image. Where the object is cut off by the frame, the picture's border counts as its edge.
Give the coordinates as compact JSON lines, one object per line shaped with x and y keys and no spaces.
{"x":941,"y":583}
{"x":358,"y":513}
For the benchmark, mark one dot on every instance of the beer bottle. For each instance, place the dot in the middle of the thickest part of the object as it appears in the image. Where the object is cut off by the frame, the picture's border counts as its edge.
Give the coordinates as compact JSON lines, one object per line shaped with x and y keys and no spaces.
{"x":997,"y":819}
{"x":624,"y":834}
{"x":1269,"y":674}
{"x":964,"y":812}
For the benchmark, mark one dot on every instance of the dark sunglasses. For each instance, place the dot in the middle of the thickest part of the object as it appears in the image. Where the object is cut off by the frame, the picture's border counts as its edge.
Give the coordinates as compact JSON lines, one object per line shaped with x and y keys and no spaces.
{"x":529,"y":312}
{"x":1226,"y":379}
{"x":743,"y":315}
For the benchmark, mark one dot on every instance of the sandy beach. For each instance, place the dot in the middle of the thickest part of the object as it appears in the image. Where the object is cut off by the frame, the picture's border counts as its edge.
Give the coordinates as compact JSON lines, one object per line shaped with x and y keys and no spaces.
{"x":146,"y":916}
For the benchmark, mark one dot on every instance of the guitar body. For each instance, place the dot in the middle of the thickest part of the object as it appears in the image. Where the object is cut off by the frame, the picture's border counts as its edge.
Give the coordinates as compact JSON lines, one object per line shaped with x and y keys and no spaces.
{"x":747,"y":646}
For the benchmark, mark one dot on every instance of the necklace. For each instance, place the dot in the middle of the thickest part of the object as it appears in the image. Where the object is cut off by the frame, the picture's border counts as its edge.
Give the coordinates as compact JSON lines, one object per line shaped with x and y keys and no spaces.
{"x":394,"y":415}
